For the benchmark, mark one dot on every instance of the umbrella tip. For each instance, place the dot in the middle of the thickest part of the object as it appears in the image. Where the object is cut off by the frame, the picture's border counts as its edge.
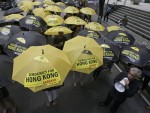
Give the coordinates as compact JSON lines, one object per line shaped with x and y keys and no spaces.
{"x":42,"y":51}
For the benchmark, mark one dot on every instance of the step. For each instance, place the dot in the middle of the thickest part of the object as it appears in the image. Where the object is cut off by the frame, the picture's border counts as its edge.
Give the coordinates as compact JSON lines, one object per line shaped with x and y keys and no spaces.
{"x":140,"y":16}
{"x":139,"y":32}
{"x":137,"y":11}
{"x":139,"y":28}
{"x":144,"y":26}
{"x":133,"y":29}
{"x":135,"y":26}
{"x":141,"y":20}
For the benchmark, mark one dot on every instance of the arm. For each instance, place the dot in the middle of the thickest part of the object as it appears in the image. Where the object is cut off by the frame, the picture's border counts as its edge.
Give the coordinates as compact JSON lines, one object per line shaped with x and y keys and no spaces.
{"x":133,"y":89}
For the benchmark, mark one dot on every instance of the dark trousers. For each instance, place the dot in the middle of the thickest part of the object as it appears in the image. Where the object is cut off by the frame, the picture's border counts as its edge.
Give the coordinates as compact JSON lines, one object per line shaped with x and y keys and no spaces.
{"x":106,"y":17}
{"x":145,"y":82}
{"x":116,"y":102}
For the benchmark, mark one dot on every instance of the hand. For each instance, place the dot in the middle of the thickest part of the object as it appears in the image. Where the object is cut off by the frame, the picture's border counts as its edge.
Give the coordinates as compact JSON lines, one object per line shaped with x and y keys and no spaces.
{"x":126,"y":81}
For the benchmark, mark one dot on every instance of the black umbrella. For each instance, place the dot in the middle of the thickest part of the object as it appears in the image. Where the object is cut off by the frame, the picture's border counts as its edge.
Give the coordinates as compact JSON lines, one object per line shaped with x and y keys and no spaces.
{"x":89,"y":33}
{"x":136,"y":55}
{"x":7,"y":31}
{"x":22,"y":41}
{"x":111,"y":50}
{"x":13,"y":11}
{"x":33,"y":23}
{"x":6,"y":67}
{"x":121,"y":38}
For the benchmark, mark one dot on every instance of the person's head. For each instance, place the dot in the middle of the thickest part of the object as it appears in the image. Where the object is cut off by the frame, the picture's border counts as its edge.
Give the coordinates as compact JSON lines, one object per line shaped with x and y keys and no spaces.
{"x":134,"y":72}
{"x":125,"y":16}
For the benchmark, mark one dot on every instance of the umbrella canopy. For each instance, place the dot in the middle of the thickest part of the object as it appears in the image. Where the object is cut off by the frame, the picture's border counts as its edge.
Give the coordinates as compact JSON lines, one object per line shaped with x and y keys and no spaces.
{"x":57,"y":29}
{"x":114,"y":28}
{"x":53,"y":20}
{"x":25,"y":5}
{"x":41,"y":12}
{"x":11,"y":19}
{"x":33,"y":23}
{"x":23,"y":40}
{"x":7,"y":31}
{"x":87,"y":11}
{"x":49,"y":2}
{"x":53,"y":8}
{"x":36,"y":3}
{"x":71,"y":9}
{"x":137,"y":55}
{"x":95,"y":26}
{"x":6,"y":67}
{"x":43,"y":67}
{"x":84,"y":54}
{"x":60,"y":4}
{"x":111,"y":50}
{"x":89,"y":33}
{"x":121,"y":38}
{"x":74,"y":20}
{"x":13,"y":11}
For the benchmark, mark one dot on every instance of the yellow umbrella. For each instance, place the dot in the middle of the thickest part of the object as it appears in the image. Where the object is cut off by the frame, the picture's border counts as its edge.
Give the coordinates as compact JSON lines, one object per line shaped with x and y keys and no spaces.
{"x":57,"y":29}
{"x":88,"y":11}
{"x":42,"y":67}
{"x":16,"y":17}
{"x":95,"y":26}
{"x":114,"y":28}
{"x":74,"y":20}
{"x":60,"y":4}
{"x":53,"y":8}
{"x":85,"y":54}
{"x":25,"y":5}
{"x":40,"y":12}
{"x":71,"y":9}
{"x":36,"y":3}
{"x":49,"y":2}
{"x":53,"y":20}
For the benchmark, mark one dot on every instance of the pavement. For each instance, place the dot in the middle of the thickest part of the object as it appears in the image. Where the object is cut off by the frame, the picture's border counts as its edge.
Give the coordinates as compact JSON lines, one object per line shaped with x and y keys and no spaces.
{"x":75,"y":100}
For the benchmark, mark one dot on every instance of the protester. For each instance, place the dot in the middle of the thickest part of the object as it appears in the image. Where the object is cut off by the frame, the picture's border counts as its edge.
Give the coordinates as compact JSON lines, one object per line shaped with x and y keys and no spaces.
{"x":124,"y":21}
{"x":5,"y":97}
{"x":77,"y":79}
{"x":132,"y":86}
{"x":97,"y":72}
{"x":59,"y":41}
{"x":146,"y":76}
{"x":52,"y":96}
{"x":108,"y":11}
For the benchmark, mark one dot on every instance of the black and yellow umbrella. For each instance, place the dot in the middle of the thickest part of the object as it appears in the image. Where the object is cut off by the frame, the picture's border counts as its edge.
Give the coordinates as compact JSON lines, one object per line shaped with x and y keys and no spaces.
{"x":111,"y":50}
{"x":89,"y":33}
{"x":84,"y":53}
{"x":13,"y":11}
{"x":137,"y":55}
{"x":87,"y":11}
{"x":74,"y":20}
{"x":53,"y":8}
{"x":11,"y":19}
{"x":20,"y":42}
{"x":42,"y":67}
{"x":53,"y":20}
{"x":6,"y":68}
{"x":121,"y":38}
{"x":55,"y":30}
{"x":7,"y":31}
{"x":41,"y":12}
{"x":33,"y":23}
{"x":71,"y":9}
{"x":95,"y":26}
{"x":114,"y":28}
